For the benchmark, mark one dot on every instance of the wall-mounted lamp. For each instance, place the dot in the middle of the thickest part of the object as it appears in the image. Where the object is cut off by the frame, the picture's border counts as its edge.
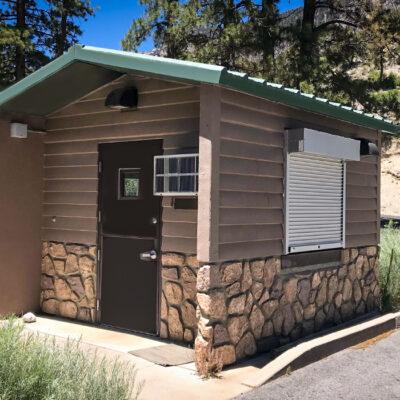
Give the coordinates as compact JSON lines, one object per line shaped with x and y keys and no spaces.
{"x":122,"y":99}
{"x":368,"y":148}
{"x":18,"y":130}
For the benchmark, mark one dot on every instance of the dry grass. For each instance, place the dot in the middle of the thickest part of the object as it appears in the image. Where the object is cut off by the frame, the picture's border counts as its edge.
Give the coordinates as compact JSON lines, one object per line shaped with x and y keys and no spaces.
{"x":372,"y":341}
{"x":389,"y":271}
{"x":33,"y":368}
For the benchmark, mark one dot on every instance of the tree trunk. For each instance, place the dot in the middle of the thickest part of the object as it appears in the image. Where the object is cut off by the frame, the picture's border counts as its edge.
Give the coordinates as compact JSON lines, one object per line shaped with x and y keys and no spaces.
{"x":172,"y":48}
{"x":307,"y":39}
{"x":62,"y":37}
{"x":228,"y":17}
{"x":381,"y":66}
{"x":267,"y":38}
{"x":20,"y":67}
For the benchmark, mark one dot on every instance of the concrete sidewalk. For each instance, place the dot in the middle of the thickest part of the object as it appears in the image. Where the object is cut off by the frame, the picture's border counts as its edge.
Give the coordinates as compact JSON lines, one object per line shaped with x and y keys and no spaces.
{"x":175,"y":383}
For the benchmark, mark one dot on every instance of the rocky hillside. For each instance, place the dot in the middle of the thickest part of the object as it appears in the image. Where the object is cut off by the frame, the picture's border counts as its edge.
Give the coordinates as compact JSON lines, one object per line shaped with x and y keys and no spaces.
{"x":390,"y":179}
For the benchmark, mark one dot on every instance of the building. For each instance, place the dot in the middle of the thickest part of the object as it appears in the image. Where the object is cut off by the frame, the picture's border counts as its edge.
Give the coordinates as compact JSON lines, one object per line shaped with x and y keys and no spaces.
{"x":187,"y":201}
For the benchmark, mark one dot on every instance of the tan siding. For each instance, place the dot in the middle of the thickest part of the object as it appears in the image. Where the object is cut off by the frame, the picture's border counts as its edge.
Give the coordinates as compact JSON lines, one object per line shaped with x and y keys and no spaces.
{"x":251,"y":181}
{"x":251,"y":220}
{"x":72,"y":223}
{"x":71,"y":160}
{"x":70,"y":197}
{"x":142,"y":130}
{"x":281,"y":117}
{"x":362,"y":202}
{"x":241,"y":233}
{"x":251,"y":151}
{"x":239,"y":166}
{"x":109,"y":118}
{"x":179,"y":228}
{"x":235,"y":251}
{"x":251,"y":200}
{"x":166,"y":110}
{"x":71,"y":236}
{"x":180,"y":95}
{"x":246,"y":216}
{"x":70,"y":185}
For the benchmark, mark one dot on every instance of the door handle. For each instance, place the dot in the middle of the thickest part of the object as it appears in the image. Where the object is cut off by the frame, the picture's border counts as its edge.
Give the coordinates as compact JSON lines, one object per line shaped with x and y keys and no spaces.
{"x":150,"y":255}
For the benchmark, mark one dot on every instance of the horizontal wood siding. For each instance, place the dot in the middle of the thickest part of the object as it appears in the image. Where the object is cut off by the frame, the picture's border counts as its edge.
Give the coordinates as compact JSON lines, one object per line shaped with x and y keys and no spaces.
{"x":362,"y":202}
{"x":166,"y":110}
{"x":251,"y":181}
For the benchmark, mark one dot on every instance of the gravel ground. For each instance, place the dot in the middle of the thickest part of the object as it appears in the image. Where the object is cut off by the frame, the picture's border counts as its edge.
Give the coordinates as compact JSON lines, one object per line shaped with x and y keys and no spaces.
{"x":372,"y":372}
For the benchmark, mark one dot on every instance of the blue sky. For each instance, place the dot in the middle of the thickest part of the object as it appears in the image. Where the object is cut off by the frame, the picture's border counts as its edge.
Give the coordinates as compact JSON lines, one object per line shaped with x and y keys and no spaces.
{"x":114,"y":17}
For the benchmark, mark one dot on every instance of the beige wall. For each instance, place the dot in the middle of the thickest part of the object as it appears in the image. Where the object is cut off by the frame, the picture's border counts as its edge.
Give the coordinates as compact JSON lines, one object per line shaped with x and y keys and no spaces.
{"x":21,"y":180}
{"x":166,"y":110}
{"x":250,"y":139}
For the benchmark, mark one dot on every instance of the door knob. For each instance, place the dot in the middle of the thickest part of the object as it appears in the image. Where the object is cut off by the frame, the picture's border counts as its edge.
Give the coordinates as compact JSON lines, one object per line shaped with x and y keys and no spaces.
{"x":150,"y":255}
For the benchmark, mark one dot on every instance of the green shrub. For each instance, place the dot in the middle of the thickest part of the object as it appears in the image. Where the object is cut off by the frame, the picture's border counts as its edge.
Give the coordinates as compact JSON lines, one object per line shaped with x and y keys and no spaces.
{"x":34,"y":368}
{"x":389,"y":271}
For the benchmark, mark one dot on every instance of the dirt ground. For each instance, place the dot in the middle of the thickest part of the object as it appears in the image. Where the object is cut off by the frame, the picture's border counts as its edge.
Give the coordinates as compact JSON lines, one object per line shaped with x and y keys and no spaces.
{"x":390,"y":179}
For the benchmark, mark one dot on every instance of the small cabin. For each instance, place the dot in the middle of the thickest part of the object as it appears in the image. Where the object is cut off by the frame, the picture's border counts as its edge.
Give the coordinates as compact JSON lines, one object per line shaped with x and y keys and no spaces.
{"x":187,"y":201}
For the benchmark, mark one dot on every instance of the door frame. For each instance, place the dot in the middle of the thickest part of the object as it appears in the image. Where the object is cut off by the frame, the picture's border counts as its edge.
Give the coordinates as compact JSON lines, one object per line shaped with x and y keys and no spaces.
{"x":99,"y":261}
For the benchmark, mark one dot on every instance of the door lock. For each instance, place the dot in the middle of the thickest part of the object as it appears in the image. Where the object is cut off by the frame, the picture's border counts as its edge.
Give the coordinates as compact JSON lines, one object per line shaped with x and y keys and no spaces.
{"x":154,"y":221}
{"x":150,"y":255}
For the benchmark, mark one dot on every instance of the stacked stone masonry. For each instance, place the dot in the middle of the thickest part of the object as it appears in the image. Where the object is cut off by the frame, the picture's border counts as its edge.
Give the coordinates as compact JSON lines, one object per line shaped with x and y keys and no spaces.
{"x":178,"y":297}
{"x":68,"y":285}
{"x":250,"y":306}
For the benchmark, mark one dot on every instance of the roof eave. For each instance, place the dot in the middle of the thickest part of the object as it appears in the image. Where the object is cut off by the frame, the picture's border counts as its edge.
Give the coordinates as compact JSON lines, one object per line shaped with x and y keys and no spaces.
{"x":294,"y":98}
{"x":37,"y":76}
{"x":201,"y":73}
{"x":161,"y":66}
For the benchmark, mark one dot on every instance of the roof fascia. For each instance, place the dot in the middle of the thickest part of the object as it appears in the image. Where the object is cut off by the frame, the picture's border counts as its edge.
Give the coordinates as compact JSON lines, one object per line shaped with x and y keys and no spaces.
{"x":165,"y":67}
{"x":261,"y":88}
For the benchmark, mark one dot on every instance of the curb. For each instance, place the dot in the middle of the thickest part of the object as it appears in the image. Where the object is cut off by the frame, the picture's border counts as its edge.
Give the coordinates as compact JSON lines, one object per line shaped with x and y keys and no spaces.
{"x":315,"y":349}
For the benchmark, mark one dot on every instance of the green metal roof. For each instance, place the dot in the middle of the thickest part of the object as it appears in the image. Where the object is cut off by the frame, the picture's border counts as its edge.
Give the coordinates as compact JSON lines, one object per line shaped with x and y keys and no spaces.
{"x":111,"y":64}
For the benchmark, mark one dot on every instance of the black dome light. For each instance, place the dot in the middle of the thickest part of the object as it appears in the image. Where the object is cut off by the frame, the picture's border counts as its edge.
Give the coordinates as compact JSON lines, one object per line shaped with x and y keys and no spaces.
{"x":368,"y":148}
{"x":122,"y":99}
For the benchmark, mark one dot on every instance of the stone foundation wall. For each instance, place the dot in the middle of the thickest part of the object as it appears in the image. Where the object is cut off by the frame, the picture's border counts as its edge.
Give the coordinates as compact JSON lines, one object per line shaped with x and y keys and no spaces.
{"x":69,"y":280}
{"x":251,"y":306}
{"x":178,"y":297}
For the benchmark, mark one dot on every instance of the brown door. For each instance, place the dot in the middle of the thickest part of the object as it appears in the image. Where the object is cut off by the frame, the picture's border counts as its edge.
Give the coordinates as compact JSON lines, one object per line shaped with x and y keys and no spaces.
{"x":129,"y":226}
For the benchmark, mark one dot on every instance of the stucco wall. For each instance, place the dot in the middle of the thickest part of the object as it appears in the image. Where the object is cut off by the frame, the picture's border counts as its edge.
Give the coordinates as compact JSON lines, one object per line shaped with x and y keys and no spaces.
{"x":21,"y":180}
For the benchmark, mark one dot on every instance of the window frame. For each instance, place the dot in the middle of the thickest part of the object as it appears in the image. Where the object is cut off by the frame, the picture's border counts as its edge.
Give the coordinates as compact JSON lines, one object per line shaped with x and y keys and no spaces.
{"x":178,"y":174}
{"x":124,"y":198}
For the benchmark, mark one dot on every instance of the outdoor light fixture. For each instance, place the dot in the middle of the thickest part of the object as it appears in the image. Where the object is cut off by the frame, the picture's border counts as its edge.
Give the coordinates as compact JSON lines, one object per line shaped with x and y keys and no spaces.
{"x":19,"y":131}
{"x":122,"y":99}
{"x":368,"y":148}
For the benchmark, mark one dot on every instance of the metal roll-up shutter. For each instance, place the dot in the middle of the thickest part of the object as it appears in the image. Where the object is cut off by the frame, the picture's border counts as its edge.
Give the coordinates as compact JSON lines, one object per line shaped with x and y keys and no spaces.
{"x":314,"y":202}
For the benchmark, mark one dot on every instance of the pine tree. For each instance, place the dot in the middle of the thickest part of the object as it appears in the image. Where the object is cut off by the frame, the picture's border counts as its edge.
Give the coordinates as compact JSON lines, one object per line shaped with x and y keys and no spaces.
{"x":30,"y":36}
{"x":60,"y":21}
{"x":167,"y":22}
{"x":18,"y":18}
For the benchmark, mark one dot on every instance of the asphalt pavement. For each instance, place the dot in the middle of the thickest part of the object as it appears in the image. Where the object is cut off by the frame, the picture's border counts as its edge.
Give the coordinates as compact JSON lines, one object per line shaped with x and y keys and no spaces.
{"x":361,"y":372}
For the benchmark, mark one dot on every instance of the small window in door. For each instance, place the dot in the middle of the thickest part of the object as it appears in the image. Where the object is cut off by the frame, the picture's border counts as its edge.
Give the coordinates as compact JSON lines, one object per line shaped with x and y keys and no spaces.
{"x":129,"y":184}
